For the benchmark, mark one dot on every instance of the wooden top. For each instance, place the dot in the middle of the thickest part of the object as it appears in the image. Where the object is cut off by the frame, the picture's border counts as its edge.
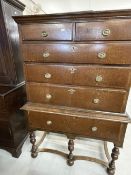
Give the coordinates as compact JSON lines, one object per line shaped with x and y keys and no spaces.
{"x":76,"y":112}
{"x":73,"y":16}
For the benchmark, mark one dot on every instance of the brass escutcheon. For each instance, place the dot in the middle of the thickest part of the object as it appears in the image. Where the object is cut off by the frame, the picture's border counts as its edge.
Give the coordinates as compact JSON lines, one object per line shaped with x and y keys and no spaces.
{"x":71,"y":91}
{"x":72,"y":70}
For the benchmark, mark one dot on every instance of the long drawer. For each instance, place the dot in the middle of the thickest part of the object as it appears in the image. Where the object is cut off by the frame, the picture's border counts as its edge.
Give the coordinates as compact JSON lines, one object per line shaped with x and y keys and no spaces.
{"x":56,"y":31}
{"x":99,"y":53}
{"x":100,"y":76}
{"x":82,"y":126}
{"x":114,"y":29}
{"x":81,"y":97}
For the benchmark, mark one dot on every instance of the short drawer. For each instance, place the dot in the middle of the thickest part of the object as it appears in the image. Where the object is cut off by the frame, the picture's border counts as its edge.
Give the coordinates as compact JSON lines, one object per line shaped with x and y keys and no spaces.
{"x":114,"y":29}
{"x":81,"y":97}
{"x":99,"y":76}
{"x":80,"y":126}
{"x":100,"y":53}
{"x":59,"y":31}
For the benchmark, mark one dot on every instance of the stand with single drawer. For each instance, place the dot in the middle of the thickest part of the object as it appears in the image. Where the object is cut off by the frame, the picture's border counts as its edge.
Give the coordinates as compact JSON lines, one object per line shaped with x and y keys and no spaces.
{"x":78,"y":74}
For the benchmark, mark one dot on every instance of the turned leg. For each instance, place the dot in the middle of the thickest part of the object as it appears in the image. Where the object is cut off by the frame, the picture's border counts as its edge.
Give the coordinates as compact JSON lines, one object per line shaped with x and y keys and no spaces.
{"x":70,"y":160}
{"x":34,"y":152}
{"x":114,"y":155}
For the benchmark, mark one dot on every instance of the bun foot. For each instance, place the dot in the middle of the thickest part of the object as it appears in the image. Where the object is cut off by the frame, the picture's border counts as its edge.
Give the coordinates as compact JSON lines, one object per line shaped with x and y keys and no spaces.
{"x":70,"y":162}
{"x":16,"y":152}
{"x":34,"y":155}
{"x":110,"y":171}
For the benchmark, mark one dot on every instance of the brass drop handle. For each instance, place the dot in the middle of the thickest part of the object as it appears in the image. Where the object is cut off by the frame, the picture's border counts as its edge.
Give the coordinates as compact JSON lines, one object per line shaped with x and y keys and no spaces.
{"x":99,"y":78}
{"x":48,"y":96}
{"x":47,"y":75}
{"x":49,"y":122}
{"x":101,"y":55}
{"x":96,"y":100}
{"x":106,"y":32}
{"x":44,"y":34}
{"x":46,"y":54}
{"x":94,"y":129}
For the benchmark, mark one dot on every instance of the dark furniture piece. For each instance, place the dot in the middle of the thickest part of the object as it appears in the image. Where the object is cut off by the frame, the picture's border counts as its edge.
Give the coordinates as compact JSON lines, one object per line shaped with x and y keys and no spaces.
{"x":78,"y":76}
{"x":12,"y":86}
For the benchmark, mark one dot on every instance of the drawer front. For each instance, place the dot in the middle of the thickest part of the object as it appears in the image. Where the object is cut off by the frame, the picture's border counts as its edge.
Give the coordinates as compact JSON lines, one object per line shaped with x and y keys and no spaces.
{"x":80,"y":97}
{"x":5,"y":131}
{"x":94,"y":128}
{"x":2,"y":105}
{"x":104,"y":53}
{"x":104,"y":30}
{"x":100,"y":76}
{"x":60,"y":31}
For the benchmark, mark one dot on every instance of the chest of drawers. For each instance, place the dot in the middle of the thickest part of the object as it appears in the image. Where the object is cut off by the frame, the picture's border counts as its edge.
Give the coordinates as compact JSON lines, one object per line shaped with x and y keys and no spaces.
{"x":78,"y":75}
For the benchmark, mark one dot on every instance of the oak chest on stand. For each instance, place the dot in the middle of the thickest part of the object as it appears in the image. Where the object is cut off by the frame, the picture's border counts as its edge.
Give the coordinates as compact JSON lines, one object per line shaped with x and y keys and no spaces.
{"x":78,"y":76}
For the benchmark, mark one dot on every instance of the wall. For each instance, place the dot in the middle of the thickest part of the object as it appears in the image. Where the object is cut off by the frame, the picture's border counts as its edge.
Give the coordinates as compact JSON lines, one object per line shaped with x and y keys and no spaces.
{"x":58,"y":6}
{"x":55,"y":6}
{"x":32,"y":7}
